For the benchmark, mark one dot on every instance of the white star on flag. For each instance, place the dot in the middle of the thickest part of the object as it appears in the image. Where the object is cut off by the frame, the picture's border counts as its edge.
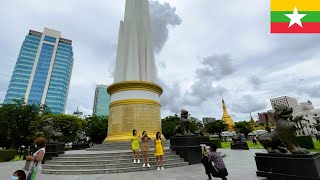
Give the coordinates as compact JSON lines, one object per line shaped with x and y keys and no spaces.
{"x":295,"y":17}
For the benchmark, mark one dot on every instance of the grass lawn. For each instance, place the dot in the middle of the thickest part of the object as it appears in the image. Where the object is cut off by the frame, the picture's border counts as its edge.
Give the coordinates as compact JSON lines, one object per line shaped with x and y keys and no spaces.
{"x":17,"y":158}
{"x":227,"y":145}
{"x":316,"y":145}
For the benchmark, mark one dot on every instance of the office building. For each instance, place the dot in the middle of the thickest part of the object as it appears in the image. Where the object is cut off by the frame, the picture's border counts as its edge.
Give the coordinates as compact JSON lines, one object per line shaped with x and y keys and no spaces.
{"x":286,"y":101}
{"x":78,"y":114}
{"x":43,"y":70}
{"x":311,"y":117}
{"x":101,"y":101}
{"x":266,"y":117}
{"x":207,"y":120}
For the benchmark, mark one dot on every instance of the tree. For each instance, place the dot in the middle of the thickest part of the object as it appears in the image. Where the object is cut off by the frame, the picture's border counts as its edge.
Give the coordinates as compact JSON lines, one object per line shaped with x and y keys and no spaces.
{"x":4,"y":130}
{"x":168,"y":124}
{"x":267,"y":128}
{"x":244,"y":127}
{"x":68,"y":125}
{"x":194,"y":124}
{"x":301,"y":123}
{"x":97,"y":128}
{"x":16,"y":119}
{"x":216,"y":127}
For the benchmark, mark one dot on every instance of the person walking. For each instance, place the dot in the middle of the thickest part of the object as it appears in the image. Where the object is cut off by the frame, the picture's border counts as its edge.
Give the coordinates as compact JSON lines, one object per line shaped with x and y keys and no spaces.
{"x":36,"y":158}
{"x":159,"y":151}
{"x":145,"y":149}
{"x":254,"y":140}
{"x":135,"y":146}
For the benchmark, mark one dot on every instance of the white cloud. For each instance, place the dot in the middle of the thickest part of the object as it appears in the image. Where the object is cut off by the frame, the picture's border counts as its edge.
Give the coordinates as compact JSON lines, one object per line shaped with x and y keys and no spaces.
{"x":243,"y":61}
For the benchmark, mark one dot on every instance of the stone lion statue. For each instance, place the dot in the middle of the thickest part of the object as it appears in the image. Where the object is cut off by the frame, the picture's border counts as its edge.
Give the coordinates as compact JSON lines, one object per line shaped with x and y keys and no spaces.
{"x":283,"y":134}
{"x":48,"y":130}
{"x":184,"y":127}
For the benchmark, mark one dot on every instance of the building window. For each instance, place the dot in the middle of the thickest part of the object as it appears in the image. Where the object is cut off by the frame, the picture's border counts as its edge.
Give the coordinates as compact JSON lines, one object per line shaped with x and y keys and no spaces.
{"x":315,"y":114}
{"x":50,"y":39}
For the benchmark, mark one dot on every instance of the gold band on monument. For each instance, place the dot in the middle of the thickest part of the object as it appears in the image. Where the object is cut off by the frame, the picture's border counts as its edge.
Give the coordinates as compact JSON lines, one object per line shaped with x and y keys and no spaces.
{"x":134,"y":85}
{"x":134,"y":101}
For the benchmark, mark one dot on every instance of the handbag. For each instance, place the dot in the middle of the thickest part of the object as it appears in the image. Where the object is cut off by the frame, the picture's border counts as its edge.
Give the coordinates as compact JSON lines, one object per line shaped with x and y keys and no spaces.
{"x":27,"y":166}
{"x":33,"y":172}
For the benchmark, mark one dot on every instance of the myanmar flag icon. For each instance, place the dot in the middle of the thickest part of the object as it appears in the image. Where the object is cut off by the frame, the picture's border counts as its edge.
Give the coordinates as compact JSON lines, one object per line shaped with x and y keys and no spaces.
{"x":295,"y":16}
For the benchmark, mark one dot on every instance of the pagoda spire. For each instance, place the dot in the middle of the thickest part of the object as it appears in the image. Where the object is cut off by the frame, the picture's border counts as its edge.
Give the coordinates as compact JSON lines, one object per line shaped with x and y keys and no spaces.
{"x":226,"y":118}
{"x":252,"y":122}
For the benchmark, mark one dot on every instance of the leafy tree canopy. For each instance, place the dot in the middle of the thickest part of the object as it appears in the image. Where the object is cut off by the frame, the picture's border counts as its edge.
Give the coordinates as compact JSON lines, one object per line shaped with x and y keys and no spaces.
{"x":68,"y":125}
{"x":216,"y":127}
{"x":97,"y":128}
{"x":15,"y":122}
{"x":243,"y":127}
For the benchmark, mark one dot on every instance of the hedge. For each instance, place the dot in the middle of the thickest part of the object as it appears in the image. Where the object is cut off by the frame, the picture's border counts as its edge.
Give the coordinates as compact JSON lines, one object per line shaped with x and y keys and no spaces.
{"x":305,"y":142}
{"x":7,"y":155}
{"x":217,"y":142}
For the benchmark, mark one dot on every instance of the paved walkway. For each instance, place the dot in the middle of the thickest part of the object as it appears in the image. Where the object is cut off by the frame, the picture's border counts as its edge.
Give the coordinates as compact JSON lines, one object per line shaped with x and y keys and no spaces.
{"x":240,"y":164}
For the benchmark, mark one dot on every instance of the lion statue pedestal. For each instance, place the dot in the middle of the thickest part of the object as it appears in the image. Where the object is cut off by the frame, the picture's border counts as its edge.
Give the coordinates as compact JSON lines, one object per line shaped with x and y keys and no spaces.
{"x":185,"y":143}
{"x":285,"y":159}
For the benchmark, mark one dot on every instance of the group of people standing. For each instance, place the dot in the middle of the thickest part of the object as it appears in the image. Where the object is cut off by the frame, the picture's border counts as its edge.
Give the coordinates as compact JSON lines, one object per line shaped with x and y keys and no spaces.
{"x":158,"y":148}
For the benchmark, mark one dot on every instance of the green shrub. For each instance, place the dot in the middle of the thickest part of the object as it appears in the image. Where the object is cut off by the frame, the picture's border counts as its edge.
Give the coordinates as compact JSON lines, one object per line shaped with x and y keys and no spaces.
{"x":217,"y":142}
{"x":305,"y":142}
{"x":7,"y":155}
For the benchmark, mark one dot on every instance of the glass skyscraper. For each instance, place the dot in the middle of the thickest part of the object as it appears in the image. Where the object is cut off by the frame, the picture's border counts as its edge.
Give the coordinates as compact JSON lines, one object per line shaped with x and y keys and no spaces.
{"x":43,"y":70}
{"x":101,"y":101}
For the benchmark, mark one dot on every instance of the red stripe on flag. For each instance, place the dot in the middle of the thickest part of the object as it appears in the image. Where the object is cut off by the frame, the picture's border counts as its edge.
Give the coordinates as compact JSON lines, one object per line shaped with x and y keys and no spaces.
{"x":283,"y":27}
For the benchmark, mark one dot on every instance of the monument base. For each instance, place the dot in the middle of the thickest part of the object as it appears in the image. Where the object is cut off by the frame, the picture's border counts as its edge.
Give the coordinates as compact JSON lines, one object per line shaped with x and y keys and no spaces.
{"x":133,"y":105}
{"x":239,"y":146}
{"x":80,"y":146}
{"x":127,"y":137}
{"x":188,"y":147}
{"x":288,"y":166}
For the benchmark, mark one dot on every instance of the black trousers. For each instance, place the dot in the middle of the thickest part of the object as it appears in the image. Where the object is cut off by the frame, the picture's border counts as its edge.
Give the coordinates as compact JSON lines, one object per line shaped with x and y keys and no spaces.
{"x":214,"y":173}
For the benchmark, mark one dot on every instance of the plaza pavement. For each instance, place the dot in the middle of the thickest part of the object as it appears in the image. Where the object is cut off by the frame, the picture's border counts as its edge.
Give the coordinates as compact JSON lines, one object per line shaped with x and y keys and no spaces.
{"x":240,"y":164}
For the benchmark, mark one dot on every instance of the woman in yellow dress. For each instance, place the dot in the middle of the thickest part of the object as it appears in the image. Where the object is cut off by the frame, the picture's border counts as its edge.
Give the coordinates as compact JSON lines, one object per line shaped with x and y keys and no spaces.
{"x":159,"y":152}
{"x":135,"y":146}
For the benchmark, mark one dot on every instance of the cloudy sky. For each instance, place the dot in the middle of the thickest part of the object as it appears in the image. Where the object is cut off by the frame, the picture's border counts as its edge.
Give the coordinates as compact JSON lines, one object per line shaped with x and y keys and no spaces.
{"x":204,"y":49}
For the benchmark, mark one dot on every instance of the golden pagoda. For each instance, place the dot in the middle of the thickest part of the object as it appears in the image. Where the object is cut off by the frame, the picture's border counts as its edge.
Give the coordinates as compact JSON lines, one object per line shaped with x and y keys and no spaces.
{"x":226,"y":117}
{"x":251,"y":121}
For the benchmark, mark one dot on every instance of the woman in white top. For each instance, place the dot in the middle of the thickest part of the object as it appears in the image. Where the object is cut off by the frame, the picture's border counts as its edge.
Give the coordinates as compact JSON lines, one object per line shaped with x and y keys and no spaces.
{"x":38,"y":156}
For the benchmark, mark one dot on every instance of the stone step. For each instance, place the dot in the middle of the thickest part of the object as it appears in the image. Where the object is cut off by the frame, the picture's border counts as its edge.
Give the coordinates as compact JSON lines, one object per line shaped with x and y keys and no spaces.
{"x":151,"y":143}
{"x":93,"y":158}
{"x":115,"y":149}
{"x":125,"y":146}
{"x":129,"y":143}
{"x":117,"y":154}
{"x":119,"y":161}
{"x":105,"y":166}
{"x":108,"y":171}
{"x":112,"y":149}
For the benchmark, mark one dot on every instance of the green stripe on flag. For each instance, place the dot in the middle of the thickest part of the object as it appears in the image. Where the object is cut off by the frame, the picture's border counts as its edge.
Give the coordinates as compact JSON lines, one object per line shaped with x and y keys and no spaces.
{"x":279,"y":16}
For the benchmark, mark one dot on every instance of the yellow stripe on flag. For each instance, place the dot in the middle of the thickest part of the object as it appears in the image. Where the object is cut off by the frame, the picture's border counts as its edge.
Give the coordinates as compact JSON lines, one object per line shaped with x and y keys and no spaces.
{"x":288,"y":5}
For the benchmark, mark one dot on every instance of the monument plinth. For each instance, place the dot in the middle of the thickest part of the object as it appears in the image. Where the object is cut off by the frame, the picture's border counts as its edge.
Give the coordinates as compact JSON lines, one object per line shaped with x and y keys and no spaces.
{"x":285,"y":158}
{"x":134,"y":105}
{"x":135,"y":96}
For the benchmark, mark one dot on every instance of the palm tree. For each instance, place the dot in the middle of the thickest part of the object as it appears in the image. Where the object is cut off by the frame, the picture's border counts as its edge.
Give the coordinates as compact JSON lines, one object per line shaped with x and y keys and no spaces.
{"x":300,"y":125}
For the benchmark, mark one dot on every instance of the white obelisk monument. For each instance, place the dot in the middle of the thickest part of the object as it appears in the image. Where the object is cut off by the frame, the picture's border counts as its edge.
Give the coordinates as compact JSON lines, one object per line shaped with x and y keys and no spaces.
{"x":135,"y":98}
